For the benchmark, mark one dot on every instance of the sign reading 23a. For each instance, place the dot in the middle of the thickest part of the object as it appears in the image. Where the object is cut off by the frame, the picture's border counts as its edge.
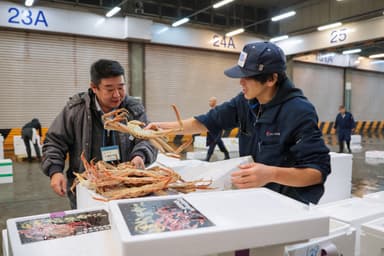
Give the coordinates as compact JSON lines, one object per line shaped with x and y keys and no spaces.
{"x":27,"y":17}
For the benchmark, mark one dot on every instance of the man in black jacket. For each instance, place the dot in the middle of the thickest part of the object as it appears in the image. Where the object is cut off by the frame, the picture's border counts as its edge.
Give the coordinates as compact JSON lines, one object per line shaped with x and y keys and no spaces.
{"x":344,"y":125}
{"x":79,"y":128}
{"x":215,"y":139}
{"x":28,"y":134}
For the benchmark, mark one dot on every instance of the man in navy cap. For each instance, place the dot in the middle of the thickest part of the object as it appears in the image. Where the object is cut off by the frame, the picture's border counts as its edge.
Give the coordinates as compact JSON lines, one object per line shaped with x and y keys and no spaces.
{"x":277,"y":127}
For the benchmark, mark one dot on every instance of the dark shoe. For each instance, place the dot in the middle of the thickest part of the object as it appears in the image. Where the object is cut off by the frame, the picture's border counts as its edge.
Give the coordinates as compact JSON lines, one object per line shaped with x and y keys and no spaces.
{"x":30,"y":160}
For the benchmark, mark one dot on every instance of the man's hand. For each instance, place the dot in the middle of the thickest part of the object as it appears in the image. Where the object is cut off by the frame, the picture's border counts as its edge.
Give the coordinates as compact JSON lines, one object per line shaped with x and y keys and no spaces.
{"x":152,"y":126}
{"x":138,"y":162}
{"x":252,"y":175}
{"x":59,"y":184}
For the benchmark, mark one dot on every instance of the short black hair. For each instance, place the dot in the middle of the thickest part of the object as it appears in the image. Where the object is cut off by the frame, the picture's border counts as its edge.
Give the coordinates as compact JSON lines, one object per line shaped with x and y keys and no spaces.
{"x":105,"y":69}
{"x":262,"y":78}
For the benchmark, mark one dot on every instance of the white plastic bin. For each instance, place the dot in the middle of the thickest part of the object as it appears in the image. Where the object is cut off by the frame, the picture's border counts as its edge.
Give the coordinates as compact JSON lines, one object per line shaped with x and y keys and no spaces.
{"x":372,"y":238}
{"x":341,"y":239}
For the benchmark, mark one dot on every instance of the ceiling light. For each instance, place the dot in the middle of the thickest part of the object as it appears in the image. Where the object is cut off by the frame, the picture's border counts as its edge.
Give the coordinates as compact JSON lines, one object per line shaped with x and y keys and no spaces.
{"x":376,"y":56}
{"x":377,"y":62}
{"x":278,"y":38}
{"x":180,"y":22}
{"x":283,"y":16}
{"x":29,"y":3}
{"x":333,"y":25}
{"x":352,"y":51}
{"x":235,"y":32}
{"x":112,"y":12}
{"x":221,"y":3}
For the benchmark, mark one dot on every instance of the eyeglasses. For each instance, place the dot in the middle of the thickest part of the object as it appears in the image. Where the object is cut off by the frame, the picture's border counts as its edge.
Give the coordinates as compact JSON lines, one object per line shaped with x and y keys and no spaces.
{"x":120,"y":89}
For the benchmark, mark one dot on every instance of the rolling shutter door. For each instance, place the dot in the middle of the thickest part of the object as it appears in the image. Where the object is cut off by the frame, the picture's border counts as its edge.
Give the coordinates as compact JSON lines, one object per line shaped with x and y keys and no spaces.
{"x":185,"y":77}
{"x":367,"y":95}
{"x":39,"y":72}
{"x":322,"y":85}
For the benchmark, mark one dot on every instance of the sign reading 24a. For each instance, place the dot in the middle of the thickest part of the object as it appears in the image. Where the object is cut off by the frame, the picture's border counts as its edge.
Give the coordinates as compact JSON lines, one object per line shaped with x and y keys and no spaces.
{"x":224,"y":42}
{"x":27,"y":17}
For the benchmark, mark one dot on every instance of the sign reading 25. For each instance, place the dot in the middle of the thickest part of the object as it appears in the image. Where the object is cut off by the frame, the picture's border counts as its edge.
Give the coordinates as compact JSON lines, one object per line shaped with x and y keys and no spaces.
{"x":27,"y":17}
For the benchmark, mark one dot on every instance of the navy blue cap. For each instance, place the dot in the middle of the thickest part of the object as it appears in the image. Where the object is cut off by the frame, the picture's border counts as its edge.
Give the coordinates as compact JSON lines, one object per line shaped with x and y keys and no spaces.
{"x":258,"y":58}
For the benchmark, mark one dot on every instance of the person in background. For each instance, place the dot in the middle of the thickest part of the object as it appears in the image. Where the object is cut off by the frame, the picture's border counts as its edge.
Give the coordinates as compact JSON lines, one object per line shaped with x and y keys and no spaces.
{"x":344,"y":125}
{"x":215,"y":139}
{"x":79,"y":128}
{"x":277,"y":127}
{"x":29,"y":133}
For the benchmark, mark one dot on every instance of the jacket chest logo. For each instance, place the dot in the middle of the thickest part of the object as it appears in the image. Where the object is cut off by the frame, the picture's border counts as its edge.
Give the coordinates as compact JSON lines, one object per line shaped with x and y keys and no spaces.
{"x":269,"y":133}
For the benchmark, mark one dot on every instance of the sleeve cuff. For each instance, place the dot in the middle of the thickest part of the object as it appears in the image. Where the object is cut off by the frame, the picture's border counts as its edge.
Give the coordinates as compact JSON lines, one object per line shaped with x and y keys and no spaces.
{"x":140,"y":154}
{"x":54,"y":169}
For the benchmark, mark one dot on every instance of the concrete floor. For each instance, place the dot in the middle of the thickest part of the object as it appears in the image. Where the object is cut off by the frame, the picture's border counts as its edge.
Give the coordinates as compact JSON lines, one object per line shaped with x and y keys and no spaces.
{"x":30,"y":193}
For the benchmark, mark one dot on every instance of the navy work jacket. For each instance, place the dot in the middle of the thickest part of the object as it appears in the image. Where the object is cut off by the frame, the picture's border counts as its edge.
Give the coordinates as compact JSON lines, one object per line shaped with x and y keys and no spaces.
{"x":344,"y":126}
{"x":284,"y":132}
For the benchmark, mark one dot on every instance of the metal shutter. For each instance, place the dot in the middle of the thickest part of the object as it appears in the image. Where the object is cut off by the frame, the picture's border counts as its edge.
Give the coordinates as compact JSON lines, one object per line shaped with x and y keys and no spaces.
{"x":367,"y":94}
{"x":322,"y":85}
{"x":185,"y":77}
{"x":39,"y":72}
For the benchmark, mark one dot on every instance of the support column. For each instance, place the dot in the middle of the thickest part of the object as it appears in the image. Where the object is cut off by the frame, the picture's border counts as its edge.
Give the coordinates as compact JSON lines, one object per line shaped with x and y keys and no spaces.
{"x":348,"y":96}
{"x":136,"y":71}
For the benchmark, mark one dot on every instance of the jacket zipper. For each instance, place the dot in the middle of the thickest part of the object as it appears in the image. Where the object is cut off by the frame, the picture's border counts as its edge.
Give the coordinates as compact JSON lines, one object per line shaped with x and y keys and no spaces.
{"x":259,"y":142}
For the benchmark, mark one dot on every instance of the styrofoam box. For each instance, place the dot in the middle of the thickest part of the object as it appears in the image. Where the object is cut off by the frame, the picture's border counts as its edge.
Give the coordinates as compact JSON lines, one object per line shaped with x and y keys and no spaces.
{"x":86,"y":198}
{"x":355,"y":139}
{"x":377,"y":196}
{"x":372,"y":238}
{"x":6,"y":172}
{"x":219,"y":172}
{"x":217,"y":155}
{"x":356,"y":143}
{"x":5,"y":242}
{"x":374,"y":154}
{"x":374,"y":157}
{"x":232,"y":144}
{"x":338,"y":185}
{"x":341,"y":238}
{"x":1,"y":146}
{"x":98,"y":243}
{"x":273,"y":250}
{"x":19,"y":147}
{"x":354,"y":211}
{"x":247,"y":218}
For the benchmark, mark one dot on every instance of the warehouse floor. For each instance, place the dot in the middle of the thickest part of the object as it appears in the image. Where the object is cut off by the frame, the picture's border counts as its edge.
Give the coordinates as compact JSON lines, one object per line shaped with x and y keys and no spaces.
{"x":30,"y":193}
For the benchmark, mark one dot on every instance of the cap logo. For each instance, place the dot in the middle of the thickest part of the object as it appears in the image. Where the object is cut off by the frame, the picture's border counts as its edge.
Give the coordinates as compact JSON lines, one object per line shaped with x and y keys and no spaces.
{"x":261,"y":67}
{"x":242,"y":59}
